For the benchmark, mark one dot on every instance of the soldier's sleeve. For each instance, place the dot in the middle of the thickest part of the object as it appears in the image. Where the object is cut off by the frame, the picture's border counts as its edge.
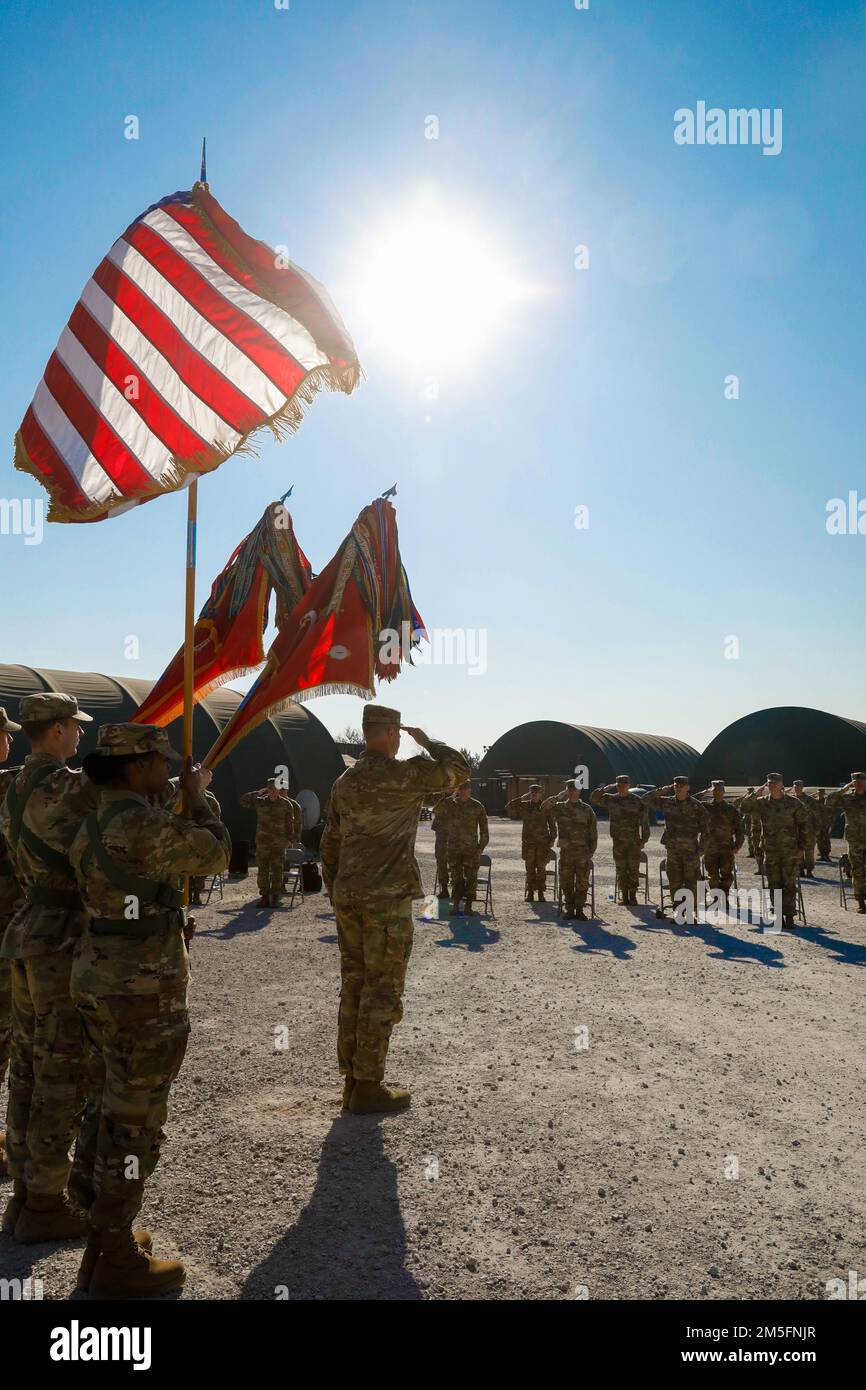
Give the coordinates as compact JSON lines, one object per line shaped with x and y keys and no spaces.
{"x":298,"y":816}
{"x":514,"y":807}
{"x":483,"y":829}
{"x":643,"y":823}
{"x":750,"y":803}
{"x":835,"y":799}
{"x":248,"y":799}
{"x":199,"y":846}
{"x":652,"y":799}
{"x":739,"y":828}
{"x":444,"y":770}
{"x":802,"y":819}
{"x":593,"y":832}
{"x":329,"y":849}
{"x":704,"y":819}
{"x":599,"y":797}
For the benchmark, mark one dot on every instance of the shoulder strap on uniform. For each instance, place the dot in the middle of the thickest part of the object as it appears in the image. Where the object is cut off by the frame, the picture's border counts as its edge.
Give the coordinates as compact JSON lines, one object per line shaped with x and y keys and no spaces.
{"x":16,"y":802}
{"x":147,"y":890}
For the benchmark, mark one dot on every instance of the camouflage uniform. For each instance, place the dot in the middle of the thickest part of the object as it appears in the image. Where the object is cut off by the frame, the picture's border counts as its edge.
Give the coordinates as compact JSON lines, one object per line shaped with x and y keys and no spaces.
{"x":441,"y":813}
{"x":536,"y":839}
{"x":810,"y":806}
{"x":853,"y":804}
{"x":722,"y":838}
{"x":467,"y":836}
{"x":370,"y":872}
{"x":11,"y":899}
{"x":752,"y":827}
{"x":129,"y":977}
{"x":826,"y":815}
{"x":197,"y":882}
{"x":577,"y":828}
{"x":46,"y":1074}
{"x":278,"y":825}
{"x":686,"y":822}
{"x":629,"y":830}
{"x":784,"y":829}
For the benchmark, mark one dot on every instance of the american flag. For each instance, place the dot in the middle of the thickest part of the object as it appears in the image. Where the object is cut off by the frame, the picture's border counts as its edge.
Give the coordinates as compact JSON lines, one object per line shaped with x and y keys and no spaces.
{"x":189,"y":337}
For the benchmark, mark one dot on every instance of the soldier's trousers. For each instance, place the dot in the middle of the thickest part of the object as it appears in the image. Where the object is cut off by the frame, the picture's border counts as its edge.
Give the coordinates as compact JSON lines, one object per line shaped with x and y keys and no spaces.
{"x":626,"y":857}
{"x":46,"y":1073}
{"x":5,"y":1016}
{"x":574,"y":877}
{"x":135,"y":1045}
{"x":807,"y":859}
{"x":375,"y":945}
{"x":683,"y":868}
{"x":825,"y":849}
{"x":780,"y":868}
{"x":857,"y":855}
{"x":442,"y":864}
{"x":535,"y":859}
{"x":752,"y":842}
{"x":719,"y":864}
{"x":270,"y":869}
{"x":463,"y":867}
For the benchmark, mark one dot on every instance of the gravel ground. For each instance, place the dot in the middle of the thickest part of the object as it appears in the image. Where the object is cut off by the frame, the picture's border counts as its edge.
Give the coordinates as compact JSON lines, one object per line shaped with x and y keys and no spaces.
{"x":529,"y":1166}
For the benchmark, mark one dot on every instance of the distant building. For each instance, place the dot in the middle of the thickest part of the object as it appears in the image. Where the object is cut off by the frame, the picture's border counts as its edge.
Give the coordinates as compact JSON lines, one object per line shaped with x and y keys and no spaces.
{"x":824,"y":749}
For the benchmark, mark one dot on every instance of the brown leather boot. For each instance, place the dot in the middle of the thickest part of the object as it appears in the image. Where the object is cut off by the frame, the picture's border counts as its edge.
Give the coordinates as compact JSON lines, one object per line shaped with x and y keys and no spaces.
{"x":143,"y":1239}
{"x":373,"y":1098}
{"x":348,"y":1088}
{"x":14,"y":1207}
{"x":124,"y":1270}
{"x":49,"y":1218}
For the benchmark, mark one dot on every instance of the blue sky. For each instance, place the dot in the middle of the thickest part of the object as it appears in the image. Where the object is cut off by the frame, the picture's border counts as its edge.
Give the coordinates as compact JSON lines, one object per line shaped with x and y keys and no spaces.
{"x":604,"y":388}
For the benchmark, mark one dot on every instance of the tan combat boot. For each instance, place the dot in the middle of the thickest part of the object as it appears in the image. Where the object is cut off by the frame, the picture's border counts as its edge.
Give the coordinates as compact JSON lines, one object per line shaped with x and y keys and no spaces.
{"x":49,"y":1218}
{"x":14,"y":1207}
{"x":530,"y":896}
{"x":125,"y":1270}
{"x":143,"y":1239}
{"x":372,"y":1098}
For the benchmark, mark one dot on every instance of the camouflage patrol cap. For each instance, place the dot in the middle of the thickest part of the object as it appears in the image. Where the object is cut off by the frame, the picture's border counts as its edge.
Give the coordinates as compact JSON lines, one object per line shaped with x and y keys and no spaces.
{"x":681,"y":781}
{"x":128,"y":740}
{"x":717,"y":782}
{"x":7,"y":725}
{"x":51,"y":704}
{"x":798,"y":782}
{"x":622,"y":777}
{"x":535,"y":787}
{"x":858,"y":776}
{"x":379,"y":714}
{"x":775,"y":777}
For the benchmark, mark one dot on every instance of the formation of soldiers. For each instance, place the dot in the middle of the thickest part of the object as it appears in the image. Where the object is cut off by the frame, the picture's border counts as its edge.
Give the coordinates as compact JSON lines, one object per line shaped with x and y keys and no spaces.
{"x":93,"y":952}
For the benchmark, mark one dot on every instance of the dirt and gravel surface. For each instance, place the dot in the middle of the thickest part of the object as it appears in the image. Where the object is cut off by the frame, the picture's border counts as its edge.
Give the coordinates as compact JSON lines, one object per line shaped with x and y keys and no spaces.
{"x":707,"y":1143}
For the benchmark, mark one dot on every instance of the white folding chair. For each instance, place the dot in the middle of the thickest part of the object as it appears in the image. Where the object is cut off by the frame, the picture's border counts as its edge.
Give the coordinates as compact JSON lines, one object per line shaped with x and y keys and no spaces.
{"x":293,"y":861}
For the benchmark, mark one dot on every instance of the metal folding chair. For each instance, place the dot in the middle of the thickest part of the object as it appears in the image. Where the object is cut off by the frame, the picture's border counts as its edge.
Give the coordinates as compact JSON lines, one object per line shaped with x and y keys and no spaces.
{"x":801,"y":906}
{"x":292,"y":872}
{"x":643,"y":873}
{"x":843,"y":896}
{"x":559,"y":893}
{"x":484,"y":881}
{"x":548,"y":871}
{"x":217,"y":881}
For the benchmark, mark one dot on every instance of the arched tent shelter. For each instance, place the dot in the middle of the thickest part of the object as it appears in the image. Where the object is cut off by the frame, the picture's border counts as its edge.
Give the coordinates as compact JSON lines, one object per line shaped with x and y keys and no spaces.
{"x":823,"y":749}
{"x":547,"y":749}
{"x":295,"y":739}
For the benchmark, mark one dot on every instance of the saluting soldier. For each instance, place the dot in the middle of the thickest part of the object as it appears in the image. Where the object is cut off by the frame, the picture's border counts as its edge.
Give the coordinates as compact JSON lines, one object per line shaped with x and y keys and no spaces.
{"x":723,"y":839}
{"x":467,"y":836}
{"x":686,"y":822}
{"x":629,"y":831}
{"x":44,"y":806}
{"x":278,"y":825}
{"x":810,"y":806}
{"x":371,"y":874}
{"x":441,"y":812}
{"x":129,"y":985}
{"x":11,"y":899}
{"x":577,"y":828}
{"x":784,"y":830}
{"x":536,"y":839}
{"x":852,"y":800}
{"x":826,"y":816}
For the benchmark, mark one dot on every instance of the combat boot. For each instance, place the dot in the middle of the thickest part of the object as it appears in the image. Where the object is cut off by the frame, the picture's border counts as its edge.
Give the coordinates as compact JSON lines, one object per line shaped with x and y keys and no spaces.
{"x":861,"y":903}
{"x":264,"y":901}
{"x":541,"y":897}
{"x":580,"y":915}
{"x":143,"y":1239}
{"x":49,"y":1218}
{"x":4,"y":1157}
{"x":454,"y":909}
{"x":14,"y":1207}
{"x":348,"y":1088}
{"x":530,"y":897}
{"x":374,"y":1098}
{"x":125,"y":1270}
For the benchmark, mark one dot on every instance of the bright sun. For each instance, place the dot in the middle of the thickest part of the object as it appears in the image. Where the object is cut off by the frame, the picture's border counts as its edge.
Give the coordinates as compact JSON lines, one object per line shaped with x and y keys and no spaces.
{"x":434,"y":291}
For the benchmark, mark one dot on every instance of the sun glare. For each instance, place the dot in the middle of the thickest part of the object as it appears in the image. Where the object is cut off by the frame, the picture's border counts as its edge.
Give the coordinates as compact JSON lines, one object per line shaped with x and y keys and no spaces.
{"x":434,"y":292}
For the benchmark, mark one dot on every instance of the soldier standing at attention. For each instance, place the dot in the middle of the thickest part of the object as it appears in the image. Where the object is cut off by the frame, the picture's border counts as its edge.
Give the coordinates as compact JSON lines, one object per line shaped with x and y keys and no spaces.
{"x":43,"y":808}
{"x":686,"y":822}
{"x":129,"y":984}
{"x":11,"y":899}
{"x":441,"y":812}
{"x":723,"y":839}
{"x":371,"y":875}
{"x":852,"y":800}
{"x":826,"y":816}
{"x":536,"y":840}
{"x":278,"y":824}
{"x":629,"y":830}
{"x":577,"y":827}
{"x":751,"y":825}
{"x":784,"y":830}
{"x":467,"y":836}
{"x":810,"y":806}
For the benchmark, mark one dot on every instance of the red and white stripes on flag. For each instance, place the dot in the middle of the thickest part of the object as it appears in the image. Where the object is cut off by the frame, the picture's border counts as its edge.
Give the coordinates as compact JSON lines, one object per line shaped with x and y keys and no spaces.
{"x":189,"y":337}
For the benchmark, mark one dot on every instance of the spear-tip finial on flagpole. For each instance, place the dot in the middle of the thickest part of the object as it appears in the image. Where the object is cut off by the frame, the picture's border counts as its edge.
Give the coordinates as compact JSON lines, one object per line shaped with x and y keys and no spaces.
{"x":391,"y":491}
{"x":202,"y":182}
